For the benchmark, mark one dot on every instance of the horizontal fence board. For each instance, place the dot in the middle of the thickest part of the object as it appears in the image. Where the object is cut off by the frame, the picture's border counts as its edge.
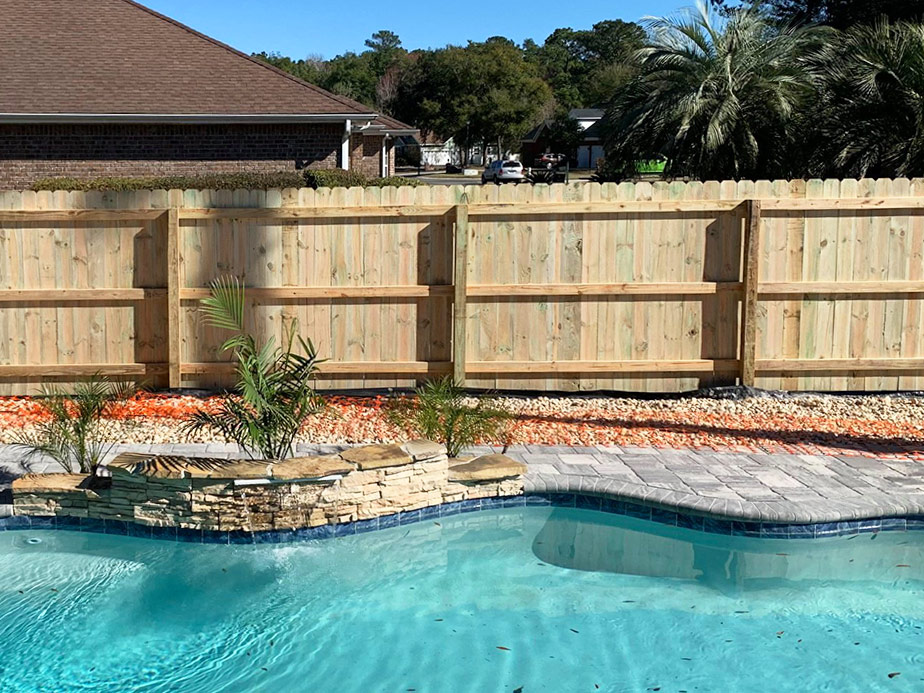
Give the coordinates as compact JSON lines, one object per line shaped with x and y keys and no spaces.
{"x":629,"y":286}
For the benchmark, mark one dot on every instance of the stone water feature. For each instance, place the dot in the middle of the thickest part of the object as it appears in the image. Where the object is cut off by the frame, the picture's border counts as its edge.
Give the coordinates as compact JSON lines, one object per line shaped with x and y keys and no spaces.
{"x":220,"y":495}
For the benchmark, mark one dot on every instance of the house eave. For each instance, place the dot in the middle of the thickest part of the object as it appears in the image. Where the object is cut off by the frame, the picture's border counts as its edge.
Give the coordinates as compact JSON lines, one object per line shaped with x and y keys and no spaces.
{"x":183,"y":118}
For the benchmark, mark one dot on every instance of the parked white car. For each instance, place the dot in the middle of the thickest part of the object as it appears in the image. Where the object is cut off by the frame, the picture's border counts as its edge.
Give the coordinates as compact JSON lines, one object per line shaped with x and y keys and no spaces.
{"x":501,"y":171}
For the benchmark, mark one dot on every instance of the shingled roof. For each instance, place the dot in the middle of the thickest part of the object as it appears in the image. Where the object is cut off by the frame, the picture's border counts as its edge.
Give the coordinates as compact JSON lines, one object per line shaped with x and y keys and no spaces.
{"x":63,"y":59}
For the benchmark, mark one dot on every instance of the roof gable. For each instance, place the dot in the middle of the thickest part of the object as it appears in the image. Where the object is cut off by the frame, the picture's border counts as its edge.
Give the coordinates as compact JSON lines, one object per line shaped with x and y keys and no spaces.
{"x":118,"y":57}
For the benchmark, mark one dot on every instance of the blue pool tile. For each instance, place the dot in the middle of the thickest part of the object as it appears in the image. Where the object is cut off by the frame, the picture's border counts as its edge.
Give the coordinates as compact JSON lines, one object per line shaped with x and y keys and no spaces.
{"x":430,"y":513}
{"x":16,"y":522}
{"x":642,"y":512}
{"x":91,"y":524}
{"x":612,"y":506}
{"x":166,"y":533}
{"x":848,"y":528}
{"x":192,"y":536}
{"x":449,"y":509}
{"x":363,"y":526}
{"x":43,"y":523}
{"x":801,"y":531}
{"x":893,"y":524}
{"x":344,"y":529}
{"x":690,"y":521}
{"x":119,"y":527}
{"x":587,"y":502}
{"x":827,"y":529}
{"x":563,"y":500}
{"x":664,"y":517}
{"x":287,"y":536}
{"x":388,"y":521}
{"x":914,"y":524}
{"x":68,"y":523}
{"x":868,"y":526}
{"x":508,"y":502}
{"x":266,"y":537}
{"x":140,"y":531}
{"x":471,"y":505}
{"x":210,"y":536}
{"x":493,"y":503}
{"x":772,"y":530}
{"x":716,"y":526}
{"x":409,"y":517}
{"x":538,"y":499}
{"x":307,"y":534}
{"x":745,"y":529}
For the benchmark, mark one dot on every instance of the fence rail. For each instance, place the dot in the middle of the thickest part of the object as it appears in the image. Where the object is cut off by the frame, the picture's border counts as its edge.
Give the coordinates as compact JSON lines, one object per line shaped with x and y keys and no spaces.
{"x":792,"y":284}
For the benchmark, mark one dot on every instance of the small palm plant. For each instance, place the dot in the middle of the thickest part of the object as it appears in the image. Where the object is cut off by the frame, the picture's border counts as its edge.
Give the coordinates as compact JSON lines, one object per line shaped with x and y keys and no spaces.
{"x":273,"y":397}
{"x":70,"y":432}
{"x":441,"y":411}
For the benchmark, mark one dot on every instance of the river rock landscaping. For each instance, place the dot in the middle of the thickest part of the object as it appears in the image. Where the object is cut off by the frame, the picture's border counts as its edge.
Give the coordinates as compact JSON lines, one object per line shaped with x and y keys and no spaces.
{"x":874,"y":425}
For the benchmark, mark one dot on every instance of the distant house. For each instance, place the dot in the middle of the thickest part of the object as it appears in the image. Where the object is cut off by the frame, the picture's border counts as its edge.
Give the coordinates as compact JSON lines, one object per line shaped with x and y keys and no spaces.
{"x":588,"y":152}
{"x":110,"y":87}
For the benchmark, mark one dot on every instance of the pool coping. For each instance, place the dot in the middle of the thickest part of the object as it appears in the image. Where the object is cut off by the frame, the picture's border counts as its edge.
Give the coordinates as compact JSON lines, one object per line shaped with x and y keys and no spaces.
{"x":583,"y":501}
{"x":808,"y":512}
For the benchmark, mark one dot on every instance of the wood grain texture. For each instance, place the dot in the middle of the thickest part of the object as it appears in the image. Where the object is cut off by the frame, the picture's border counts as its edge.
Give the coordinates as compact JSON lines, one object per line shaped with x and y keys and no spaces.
{"x":581,"y":286}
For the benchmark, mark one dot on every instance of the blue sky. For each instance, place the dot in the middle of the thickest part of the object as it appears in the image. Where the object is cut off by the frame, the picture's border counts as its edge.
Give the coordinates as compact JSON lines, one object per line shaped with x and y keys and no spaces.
{"x":301,"y":27}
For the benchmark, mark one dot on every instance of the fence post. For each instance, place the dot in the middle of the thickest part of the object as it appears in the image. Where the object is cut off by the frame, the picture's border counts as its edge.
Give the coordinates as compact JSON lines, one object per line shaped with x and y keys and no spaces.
{"x":749,"y":302}
{"x":460,"y":285}
{"x":174,"y":337}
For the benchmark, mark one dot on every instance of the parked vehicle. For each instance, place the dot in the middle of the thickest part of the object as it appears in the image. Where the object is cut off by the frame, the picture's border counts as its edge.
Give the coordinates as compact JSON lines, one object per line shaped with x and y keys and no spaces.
{"x":501,"y":171}
{"x":549,"y":168}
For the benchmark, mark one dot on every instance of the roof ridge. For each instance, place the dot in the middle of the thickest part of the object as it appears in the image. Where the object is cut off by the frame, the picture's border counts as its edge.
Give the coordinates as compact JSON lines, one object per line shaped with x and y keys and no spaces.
{"x":198,"y":34}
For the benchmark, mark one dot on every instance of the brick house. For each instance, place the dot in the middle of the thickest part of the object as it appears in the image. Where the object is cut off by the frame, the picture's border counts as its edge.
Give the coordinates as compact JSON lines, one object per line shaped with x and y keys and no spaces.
{"x":112,"y":88}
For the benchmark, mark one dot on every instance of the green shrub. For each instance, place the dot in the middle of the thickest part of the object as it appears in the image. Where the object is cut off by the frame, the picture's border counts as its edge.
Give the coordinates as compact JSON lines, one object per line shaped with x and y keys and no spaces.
{"x":338,"y":178}
{"x":441,"y":411}
{"x":70,"y":433}
{"x":324,"y":178}
{"x":273,"y":397}
{"x":213,"y":181}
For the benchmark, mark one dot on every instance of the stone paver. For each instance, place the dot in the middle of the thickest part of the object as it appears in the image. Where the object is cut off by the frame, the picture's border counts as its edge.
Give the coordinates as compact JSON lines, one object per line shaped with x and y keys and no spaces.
{"x":797,"y":488}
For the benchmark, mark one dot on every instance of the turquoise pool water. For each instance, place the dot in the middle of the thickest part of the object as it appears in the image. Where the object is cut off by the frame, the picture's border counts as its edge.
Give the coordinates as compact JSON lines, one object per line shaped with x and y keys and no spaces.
{"x":534,"y":598}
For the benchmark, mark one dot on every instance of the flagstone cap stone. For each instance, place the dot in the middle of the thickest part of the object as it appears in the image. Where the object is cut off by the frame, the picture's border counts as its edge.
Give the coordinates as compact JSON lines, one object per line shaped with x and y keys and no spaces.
{"x":50,"y":483}
{"x":377,"y":456}
{"x":170,"y":467}
{"x":423,"y":449}
{"x":487,"y":468}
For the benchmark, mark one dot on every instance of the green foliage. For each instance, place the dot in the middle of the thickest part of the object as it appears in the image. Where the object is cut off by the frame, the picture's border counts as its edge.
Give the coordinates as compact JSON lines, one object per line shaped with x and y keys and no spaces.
{"x":715,"y":98}
{"x":441,"y":411}
{"x":869,"y":120}
{"x":273,"y":397}
{"x":583,"y":67}
{"x":564,"y":133}
{"x":70,"y":432}
{"x":310,"y":178}
{"x":217,"y":181}
{"x":483,"y":92}
{"x":837,"y":13}
{"x":338,"y":178}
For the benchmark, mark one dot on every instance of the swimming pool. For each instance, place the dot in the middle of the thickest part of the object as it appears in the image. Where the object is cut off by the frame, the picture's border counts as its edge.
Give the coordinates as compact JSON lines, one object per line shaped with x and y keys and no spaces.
{"x":530,"y":598}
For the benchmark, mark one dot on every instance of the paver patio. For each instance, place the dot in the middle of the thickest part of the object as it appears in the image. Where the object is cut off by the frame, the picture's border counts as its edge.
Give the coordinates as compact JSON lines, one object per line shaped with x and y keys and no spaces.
{"x":748,"y":486}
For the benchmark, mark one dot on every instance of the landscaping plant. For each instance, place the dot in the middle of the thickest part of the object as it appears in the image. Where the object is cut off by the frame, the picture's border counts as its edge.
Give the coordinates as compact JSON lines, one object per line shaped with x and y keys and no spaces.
{"x":69,"y":432}
{"x":441,"y":411}
{"x":273,"y":397}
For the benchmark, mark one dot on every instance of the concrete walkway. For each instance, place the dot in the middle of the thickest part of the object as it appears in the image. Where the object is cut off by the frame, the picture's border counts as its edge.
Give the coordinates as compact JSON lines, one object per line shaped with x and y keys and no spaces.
{"x":746,"y":486}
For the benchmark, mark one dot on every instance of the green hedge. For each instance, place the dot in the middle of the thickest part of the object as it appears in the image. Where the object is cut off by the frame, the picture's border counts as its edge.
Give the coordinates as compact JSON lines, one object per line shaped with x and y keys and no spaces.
{"x":333,"y":178}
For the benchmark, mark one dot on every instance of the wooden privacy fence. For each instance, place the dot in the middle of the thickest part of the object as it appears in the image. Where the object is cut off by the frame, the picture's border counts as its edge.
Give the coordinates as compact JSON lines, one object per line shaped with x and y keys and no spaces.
{"x":646,"y":287}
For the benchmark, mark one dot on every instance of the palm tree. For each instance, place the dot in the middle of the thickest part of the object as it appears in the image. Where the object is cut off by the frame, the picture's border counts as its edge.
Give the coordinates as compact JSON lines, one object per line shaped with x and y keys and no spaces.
{"x":871,"y":111}
{"x":715,"y":97}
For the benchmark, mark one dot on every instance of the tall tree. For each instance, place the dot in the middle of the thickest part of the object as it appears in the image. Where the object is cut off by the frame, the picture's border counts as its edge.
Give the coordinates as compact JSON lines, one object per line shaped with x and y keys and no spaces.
{"x":716,"y":98}
{"x":572,"y":62}
{"x":477,"y":93}
{"x":870,"y":120}
{"x":837,"y":13}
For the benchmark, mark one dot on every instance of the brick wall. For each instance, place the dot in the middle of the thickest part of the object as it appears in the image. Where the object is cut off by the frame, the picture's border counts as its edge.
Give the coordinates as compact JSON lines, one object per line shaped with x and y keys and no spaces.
{"x":31,"y":152}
